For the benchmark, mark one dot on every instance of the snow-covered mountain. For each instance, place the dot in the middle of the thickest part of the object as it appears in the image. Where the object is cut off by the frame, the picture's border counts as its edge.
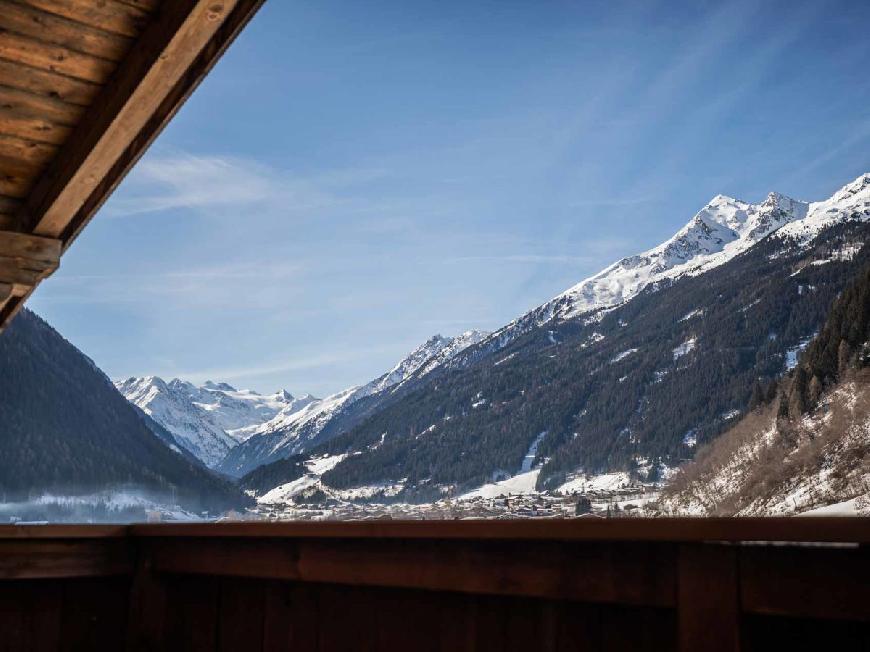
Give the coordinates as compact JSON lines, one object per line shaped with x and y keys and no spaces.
{"x":210,"y":419}
{"x":294,"y":430}
{"x":640,"y":362}
{"x":723,"y":229}
{"x":719,"y":233}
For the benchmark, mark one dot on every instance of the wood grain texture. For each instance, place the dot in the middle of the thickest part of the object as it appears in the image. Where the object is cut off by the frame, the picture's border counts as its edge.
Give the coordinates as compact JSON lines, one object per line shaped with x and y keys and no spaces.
{"x":53,"y":58}
{"x":27,"y":151}
{"x":24,"y":123}
{"x":462,"y":593}
{"x":48,"y":84}
{"x":21,"y":559}
{"x":143,"y":80}
{"x":54,"y":30}
{"x":46,"y":108}
{"x":619,"y":573}
{"x":172,"y":54}
{"x":126,"y":19}
{"x":827,"y":529}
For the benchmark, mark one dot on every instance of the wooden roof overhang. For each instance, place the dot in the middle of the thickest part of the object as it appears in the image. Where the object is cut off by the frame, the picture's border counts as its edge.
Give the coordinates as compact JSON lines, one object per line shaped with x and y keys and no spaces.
{"x":85,"y":87}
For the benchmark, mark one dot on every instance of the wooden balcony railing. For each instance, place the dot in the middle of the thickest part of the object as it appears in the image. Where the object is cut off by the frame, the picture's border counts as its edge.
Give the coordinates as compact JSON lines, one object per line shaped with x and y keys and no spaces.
{"x":628,"y":584}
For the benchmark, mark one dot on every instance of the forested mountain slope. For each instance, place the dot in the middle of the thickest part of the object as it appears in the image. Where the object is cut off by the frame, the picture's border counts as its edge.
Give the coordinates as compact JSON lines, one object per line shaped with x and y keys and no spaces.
{"x":629,"y":385}
{"x":65,"y":429}
{"x":294,"y":430}
{"x":804,"y":447}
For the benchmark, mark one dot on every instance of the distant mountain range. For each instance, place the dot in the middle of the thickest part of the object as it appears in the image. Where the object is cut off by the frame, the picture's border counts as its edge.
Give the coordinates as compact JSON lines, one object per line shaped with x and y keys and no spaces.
{"x":209,"y":420}
{"x":236,"y":431}
{"x":631,"y":369}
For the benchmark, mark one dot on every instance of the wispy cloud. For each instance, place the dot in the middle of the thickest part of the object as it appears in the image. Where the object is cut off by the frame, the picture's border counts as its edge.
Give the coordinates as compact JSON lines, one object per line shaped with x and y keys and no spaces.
{"x":241,"y":285}
{"x":857,"y":136}
{"x":171,"y":180}
{"x":300,"y":363}
{"x":531,"y":259}
{"x":613,"y":201}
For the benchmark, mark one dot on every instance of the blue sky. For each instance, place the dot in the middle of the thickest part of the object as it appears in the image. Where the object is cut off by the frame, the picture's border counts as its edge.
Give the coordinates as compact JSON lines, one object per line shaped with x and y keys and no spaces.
{"x":354,"y":177}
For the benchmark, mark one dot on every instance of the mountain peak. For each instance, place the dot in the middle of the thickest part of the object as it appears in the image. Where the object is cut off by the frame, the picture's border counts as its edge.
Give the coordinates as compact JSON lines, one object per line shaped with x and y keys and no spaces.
{"x":222,"y":387}
{"x":853,"y":187}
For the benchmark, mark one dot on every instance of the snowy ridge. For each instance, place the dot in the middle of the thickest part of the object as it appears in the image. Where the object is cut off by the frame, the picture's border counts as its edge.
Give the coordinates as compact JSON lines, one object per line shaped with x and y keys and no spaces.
{"x":208,"y":420}
{"x":292,"y":430}
{"x":723,"y":229}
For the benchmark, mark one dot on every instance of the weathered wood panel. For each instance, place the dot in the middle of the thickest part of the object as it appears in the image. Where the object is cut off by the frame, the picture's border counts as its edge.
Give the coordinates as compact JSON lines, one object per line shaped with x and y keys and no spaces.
{"x":20,"y":559}
{"x":48,"y":84}
{"x":829,"y":529}
{"x":55,"y":30}
{"x":54,"y":58}
{"x":615,"y":572}
{"x":322,"y":594}
{"x":125,"y":19}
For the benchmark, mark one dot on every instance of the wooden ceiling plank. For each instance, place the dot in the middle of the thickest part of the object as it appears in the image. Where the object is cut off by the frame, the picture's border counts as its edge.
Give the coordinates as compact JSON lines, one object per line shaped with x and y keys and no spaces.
{"x":108,"y":16}
{"x":40,"y":106}
{"x":28,"y":151}
{"x":26,"y":259}
{"x":48,"y":84}
{"x":165,"y":67}
{"x":18,"y":167}
{"x":159,"y":60}
{"x":14,"y":184}
{"x":49,"y":28}
{"x":54,"y":58}
{"x":31,"y":248}
{"x":25,"y":125}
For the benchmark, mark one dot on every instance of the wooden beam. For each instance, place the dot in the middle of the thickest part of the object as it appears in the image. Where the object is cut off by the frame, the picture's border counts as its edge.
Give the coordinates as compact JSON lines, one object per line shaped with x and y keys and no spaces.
{"x":56,"y":559}
{"x":817,"y":529}
{"x":616,"y":573}
{"x":25,"y":260}
{"x":36,"y":532}
{"x":174,"y":53}
{"x":127,"y":113}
